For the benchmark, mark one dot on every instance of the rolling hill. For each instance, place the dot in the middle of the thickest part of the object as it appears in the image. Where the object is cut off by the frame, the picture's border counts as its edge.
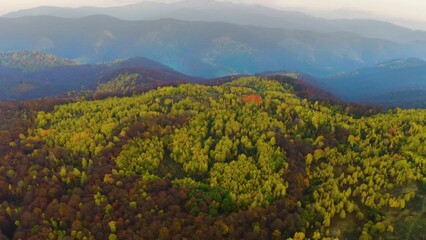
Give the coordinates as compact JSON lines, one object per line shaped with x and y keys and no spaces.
{"x":400,"y":82}
{"x":200,"y":48}
{"x":57,"y":79}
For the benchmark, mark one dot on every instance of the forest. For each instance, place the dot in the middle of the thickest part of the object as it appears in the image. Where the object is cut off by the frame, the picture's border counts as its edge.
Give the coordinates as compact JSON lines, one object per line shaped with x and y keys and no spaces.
{"x":250,"y":158}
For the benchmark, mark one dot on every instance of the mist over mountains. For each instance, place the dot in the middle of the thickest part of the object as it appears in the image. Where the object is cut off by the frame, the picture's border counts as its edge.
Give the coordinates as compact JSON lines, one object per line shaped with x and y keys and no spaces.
{"x":399,"y":82}
{"x":208,"y":49}
{"x":242,"y":14}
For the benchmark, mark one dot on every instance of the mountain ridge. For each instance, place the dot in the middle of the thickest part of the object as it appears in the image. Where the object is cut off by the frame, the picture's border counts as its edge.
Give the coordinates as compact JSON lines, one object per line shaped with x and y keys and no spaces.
{"x":389,"y":83}
{"x":257,"y":15}
{"x":205,"y":49}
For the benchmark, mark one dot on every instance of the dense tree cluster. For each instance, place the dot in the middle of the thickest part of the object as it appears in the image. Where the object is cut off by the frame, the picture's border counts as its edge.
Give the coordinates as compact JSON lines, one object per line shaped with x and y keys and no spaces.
{"x":123,"y":83}
{"x":140,"y":157}
{"x":247,"y":159}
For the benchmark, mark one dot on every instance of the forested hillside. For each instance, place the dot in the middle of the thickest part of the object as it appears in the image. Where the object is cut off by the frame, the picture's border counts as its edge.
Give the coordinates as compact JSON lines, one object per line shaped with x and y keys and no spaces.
{"x":247,"y":159}
{"x":29,"y":61}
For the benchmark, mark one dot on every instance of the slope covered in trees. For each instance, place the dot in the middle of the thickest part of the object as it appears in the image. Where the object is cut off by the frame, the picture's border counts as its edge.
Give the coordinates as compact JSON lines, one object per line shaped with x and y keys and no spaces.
{"x":246,"y":159}
{"x":131,"y":80}
{"x":30,"y":61}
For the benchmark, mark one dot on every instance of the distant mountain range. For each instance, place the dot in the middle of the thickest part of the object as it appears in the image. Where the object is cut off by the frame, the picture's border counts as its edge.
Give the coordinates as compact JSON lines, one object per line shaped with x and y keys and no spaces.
{"x":243,"y":14}
{"x":200,"y":48}
{"x":400,"y":82}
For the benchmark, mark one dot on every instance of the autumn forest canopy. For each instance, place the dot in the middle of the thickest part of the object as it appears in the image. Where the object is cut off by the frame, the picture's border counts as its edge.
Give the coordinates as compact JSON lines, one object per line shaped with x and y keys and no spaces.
{"x":245,"y":159}
{"x":213,"y":119}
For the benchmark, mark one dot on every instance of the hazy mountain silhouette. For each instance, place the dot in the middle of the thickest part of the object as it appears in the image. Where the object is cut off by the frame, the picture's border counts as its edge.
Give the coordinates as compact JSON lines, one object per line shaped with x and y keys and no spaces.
{"x":256,"y":15}
{"x":200,"y":48}
{"x":400,"y":82}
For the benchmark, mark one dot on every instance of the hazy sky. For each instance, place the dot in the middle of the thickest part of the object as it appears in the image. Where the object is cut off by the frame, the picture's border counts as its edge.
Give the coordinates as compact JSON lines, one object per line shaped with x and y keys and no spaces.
{"x":405,"y":12}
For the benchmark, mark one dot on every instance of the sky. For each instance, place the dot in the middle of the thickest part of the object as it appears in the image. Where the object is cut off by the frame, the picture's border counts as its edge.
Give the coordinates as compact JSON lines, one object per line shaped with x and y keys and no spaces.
{"x":403,"y":12}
